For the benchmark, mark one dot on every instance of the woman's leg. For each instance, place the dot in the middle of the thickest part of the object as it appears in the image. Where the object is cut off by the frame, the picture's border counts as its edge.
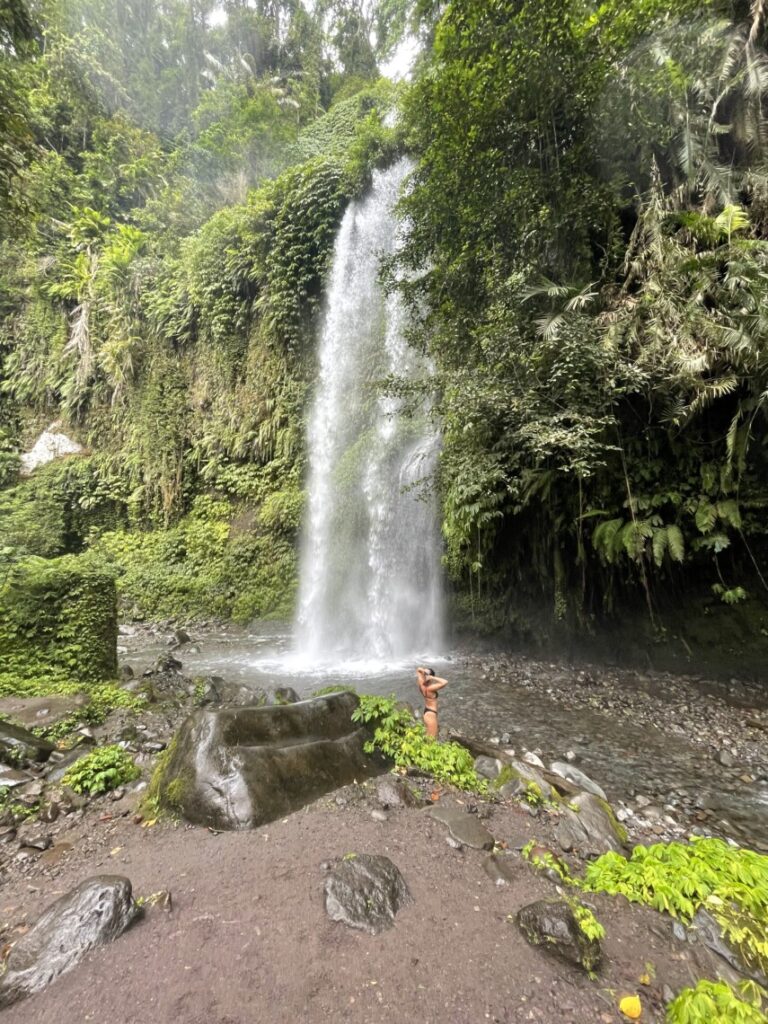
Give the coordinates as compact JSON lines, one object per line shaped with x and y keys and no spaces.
{"x":430,"y":724}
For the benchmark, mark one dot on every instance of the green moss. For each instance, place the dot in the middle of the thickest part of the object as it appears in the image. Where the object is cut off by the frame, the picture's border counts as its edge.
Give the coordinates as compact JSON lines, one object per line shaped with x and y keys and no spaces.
{"x":58,"y":622}
{"x":165,"y":793}
{"x":618,"y":829}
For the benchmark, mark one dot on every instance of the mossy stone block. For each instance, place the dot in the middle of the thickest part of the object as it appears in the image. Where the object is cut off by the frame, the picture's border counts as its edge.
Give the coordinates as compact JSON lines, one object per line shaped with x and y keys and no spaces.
{"x":59,"y":616}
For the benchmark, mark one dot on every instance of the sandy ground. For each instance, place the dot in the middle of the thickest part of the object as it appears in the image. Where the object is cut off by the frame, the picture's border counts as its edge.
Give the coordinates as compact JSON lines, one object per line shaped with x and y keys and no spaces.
{"x":248,"y":940}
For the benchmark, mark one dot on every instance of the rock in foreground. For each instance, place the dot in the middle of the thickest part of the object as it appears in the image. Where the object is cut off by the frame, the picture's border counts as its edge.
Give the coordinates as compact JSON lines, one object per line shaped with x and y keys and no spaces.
{"x":17,"y":744}
{"x":240,"y":767}
{"x":94,"y":913}
{"x":365,"y":891}
{"x":552,"y":925}
{"x":589,"y":827}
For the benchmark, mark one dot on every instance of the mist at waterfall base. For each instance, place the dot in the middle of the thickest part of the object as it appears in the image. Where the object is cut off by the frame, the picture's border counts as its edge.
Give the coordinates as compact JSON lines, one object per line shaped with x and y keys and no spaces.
{"x":370,"y":592}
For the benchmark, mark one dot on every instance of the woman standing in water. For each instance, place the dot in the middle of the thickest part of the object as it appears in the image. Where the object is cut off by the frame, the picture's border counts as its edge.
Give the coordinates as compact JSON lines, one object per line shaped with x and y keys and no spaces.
{"x":429,"y":684}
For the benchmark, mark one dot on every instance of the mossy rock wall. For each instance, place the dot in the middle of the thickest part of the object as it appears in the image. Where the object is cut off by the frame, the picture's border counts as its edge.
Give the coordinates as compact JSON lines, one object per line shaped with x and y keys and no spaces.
{"x":59,"y":616}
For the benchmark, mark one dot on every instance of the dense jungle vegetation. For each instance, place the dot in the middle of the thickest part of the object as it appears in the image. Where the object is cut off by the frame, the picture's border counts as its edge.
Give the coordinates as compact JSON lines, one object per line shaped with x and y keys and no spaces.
{"x":587,"y":266}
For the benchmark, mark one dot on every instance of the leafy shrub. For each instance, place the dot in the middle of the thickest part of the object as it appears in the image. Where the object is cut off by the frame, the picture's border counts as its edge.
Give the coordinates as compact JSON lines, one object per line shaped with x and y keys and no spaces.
{"x":731,"y":883}
{"x":587,"y":921}
{"x":715,"y":1002}
{"x":102,"y":770}
{"x":398,"y":736}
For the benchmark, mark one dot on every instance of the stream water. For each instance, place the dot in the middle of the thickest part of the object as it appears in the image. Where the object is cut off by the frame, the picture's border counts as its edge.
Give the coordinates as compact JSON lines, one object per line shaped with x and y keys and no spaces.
{"x":625,"y":757}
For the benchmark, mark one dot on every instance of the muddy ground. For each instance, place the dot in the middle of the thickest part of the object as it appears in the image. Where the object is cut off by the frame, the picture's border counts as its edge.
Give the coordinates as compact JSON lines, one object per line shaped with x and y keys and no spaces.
{"x":248,"y":940}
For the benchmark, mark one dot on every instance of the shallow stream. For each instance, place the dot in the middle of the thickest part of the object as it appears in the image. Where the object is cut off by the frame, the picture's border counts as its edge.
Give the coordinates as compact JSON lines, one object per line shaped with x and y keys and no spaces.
{"x":538,"y":705}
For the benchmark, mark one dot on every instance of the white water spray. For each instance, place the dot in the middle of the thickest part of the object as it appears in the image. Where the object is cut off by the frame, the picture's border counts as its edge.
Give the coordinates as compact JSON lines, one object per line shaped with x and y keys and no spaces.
{"x":370,"y":569}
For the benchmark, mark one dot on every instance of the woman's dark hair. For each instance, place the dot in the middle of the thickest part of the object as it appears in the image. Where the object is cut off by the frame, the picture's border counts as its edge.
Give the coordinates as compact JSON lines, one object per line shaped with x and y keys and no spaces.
{"x":430,"y":671}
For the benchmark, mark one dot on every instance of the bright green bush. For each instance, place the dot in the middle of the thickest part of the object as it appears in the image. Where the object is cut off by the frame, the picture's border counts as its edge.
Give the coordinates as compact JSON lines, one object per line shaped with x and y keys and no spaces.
{"x":715,"y":1002}
{"x":398,"y":736}
{"x":102,"y":770}
{"x":731,"y":883}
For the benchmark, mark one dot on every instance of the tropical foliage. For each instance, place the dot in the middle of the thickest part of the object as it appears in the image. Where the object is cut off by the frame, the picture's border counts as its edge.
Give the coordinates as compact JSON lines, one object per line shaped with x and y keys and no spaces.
{"x":590,"y":206}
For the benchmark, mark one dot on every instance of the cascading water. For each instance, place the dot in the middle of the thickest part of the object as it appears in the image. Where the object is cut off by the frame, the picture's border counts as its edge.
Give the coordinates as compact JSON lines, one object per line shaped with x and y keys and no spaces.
{"x":370,"y":582}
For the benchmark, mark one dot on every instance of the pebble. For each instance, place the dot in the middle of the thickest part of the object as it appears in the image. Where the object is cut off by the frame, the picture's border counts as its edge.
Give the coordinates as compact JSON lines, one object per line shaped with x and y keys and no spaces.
{"x":378,"y":815}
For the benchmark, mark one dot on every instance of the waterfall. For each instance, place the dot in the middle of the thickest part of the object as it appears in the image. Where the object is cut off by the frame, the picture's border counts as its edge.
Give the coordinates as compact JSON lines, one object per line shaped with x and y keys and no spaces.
{"x":370,"y":580}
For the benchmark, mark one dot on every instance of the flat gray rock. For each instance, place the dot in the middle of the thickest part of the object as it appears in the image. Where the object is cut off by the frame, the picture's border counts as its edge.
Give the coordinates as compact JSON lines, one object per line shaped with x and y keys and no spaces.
{"x":12,"y":777}
{"x":488,"y":767}
{"x":94,"y":913}
{"x":365,"y":891}
{"x":392,"y":791}
{"x":37,"y":712}
{"x":578,"y":778}
{"x":462,"y":826}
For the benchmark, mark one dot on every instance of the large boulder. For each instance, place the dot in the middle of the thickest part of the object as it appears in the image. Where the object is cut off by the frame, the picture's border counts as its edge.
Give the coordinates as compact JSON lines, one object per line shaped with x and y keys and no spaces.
{"x":17,"y":745}
{"x":552,"y":925}
{"x":239,"y":767}
{"x":589,"y":827}
{"x":365,"y":891}
{"x":94,"y":913}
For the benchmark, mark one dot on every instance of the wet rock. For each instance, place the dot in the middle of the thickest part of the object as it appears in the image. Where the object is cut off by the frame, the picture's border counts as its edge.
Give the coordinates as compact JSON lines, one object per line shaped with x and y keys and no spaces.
{"x":516,"y":787}
{"x":365,"y":891}
{"x":217,"y":691}
{"x":552,"y":925}
{"x":392,"y":791}
{"x":284,"y":695}
{"x":589,"y":827}
{"x":488,"y":767}
{"x":240,"y":767}
{"x":125,"y":674}
{"x":94,"y":913}
{"x":705,"y":929}
{"x":181,"y":636}
{"x":454,"y":843}
{"x":166,"y":663}
{"x":725,"y":758}
{"x":11,"y":778}
{"x":523,"y":774}
{"x":578,"y":778}
{"x":533,"y":759}
{"x":29,"y":794}
{"x":465,"y":828}
{"x":17,"y":744}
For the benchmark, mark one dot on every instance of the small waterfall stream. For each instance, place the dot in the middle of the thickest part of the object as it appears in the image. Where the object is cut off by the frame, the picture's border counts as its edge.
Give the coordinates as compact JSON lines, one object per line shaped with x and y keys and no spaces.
{"x":370,"y":582}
